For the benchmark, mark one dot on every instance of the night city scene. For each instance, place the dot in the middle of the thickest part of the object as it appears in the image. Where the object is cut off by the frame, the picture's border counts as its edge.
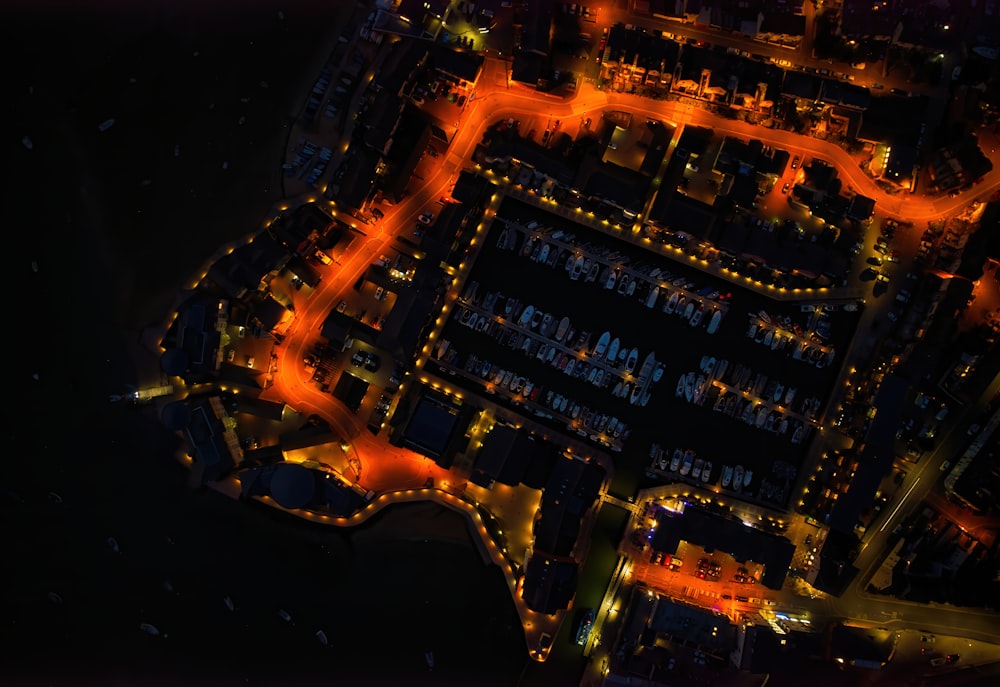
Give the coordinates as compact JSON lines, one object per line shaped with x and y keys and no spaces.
{"x":504,"y":343}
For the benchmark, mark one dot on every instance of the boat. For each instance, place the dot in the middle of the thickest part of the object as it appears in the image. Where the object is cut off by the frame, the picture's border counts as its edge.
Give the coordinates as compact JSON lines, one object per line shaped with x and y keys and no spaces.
{"x":626,"y":388}
{"x":631,"y":288}
{"x":689,"y":386}
{"x":535,"y":251}
{"x":789,"y":396}
{"x":574,"y":273}
{"x":526,"y":316}
{"x":696,"y":468}
{"x":779,"y":390}
{"x":681,"y":384}
{"x":661,"y":458}
{"x":602,"y":344}
{"x":471,"y":322}
{"x":623,"y":284}
{"x":546,"y":324}
{"x":583,"y":630}
{"x":797,"y":434}
{"x":562,"y":329}
{"x":543,"y":255}
{"x":502,"y":239}
{"x":113,"y":545}
{"x":675,"y":462}
{"x":106,"y":124}
{"x":671,"y":305}
{"x":646,"y":370}
{"x":150,"y":629}
{"x":688,"y":311}
{"x":769,"y":425}
{"x":699,"y":388}
{"x":764,"y":316}
{"x":727,"y":475}
{"x":687,"y":462}
{"x":429,"y":657}
{"x":599,"y":378}
{"x":595,"y":268}
{"x":761,"y":417}
{"x":706,"y":471}
{"x":618,"y":388}
{"x":321,"y":636}
{"x":633,"y":358}
{"x":612,"y":278}
{"x":536,"y":319}
{"x":658,"y":373}
{"x":612,"y":352}
{"x":592,"y":374}
{"x":570,"y":366}
{"x":622,"y":355}
{"x":697,"y":315}
{"x":768,"y":337}
{"x":776,"y":341}
{"x":738,"y":478}
{"x":551,"y":354}
{"x":636,"y":394}
{"x":229,"y":603}
{"x":747,"y":477}
{"x":713,"y":324}
{"x":526,"y":344}
{"x":508,"y":306}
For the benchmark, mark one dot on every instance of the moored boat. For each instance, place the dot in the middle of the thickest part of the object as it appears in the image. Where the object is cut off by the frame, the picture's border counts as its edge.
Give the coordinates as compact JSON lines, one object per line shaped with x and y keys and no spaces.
{"x":727,"y":475}
{"x":631,"y":360}
{"x":602,"y":344}
{"x":671,"y":303}
{"x":526,"y":316}
{"x":654,"y":293}
{"x":612,"y":351}
{"x":562,"y":329}
{"x":713,"y":324}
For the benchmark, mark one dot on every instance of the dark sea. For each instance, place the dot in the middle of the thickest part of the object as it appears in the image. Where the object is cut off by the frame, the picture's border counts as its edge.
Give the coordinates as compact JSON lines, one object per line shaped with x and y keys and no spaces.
{"x":103,"y":226}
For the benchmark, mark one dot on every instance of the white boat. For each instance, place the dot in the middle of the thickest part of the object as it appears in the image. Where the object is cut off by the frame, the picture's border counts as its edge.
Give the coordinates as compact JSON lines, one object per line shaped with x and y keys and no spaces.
{"x":626,"y":388}
{"x":658,"y":373}
{"x":671,"y":303}
{"x":636,"y":395}
{"x":797,"y":434}
{"x":229,"y":603}
{"x":623,"y":284}
{"x":321,"y":636}
{"x":612,"y":278}
{"x":747,"y":477}
{"x":633,"y":358}
{"x":546,"y":324}
{"x":602,"y":344}
{"x":768,"y":337}
{"x":687,"y":462}
{"x":543,"y":255}
{"x":761,"y":418}
{"x":688,"y":311}
{"x":646,"y":370}
{"x":689,"y":386}
{"x":631,"y":288}
{"x":561,"y":329}
{"x":150,"y":629}
{"x":764,"y":316}
{"x":675,"y":462}
{"x":429,"y":657}
{"x":592,"y":374}
{"x":727,"y":475}
{"x":536,"y":319}
{"x":696,"y":468}
{"x":738,"y":478}
{"x":653,"y":295}
{"x":595,"y":268}
{"x":776,"y":341}
{"x":599,"y":378}
{"x":706,"y":471}
{"x":713,"y":324}
{"x":526,"y":316}
{"x":618,"y":388}
{"x":789,"y":396}
{"x":577,"y":268}
{"x":106,"y":124}
{"x":612,"y":352}
{"x":570,"y":366}
{"x":778,"y":391}
{"x":661,"y":459}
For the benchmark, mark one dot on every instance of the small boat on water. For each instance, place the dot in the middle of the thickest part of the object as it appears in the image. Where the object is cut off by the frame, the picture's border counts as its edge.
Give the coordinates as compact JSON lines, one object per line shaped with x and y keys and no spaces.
{"x":602,"y":344}
{"x":738,"y":478}
{"x":778,"y":391}
{"x":321,"y":636}
{"x":618,"y":388}
{"x":543,"y":255}
{"x":687,"y":462}
{"x":574,"y":273}
{"x":713,"y":324}
{"x":149,"y":629}
{"x":768,"y":337}
{"x":681,"y":385}
{"x":790,"y":396}
{"x":747,"y":477}
{"x":612,"y":278}
{"x":654,"y":293}
{"x":631,"y":360}
{"x":797,"y":434}
{"x":727,"y":475}
{"x":562,"y":329}
{"x":688,"y":311}
{"x":229,"y":603}
{"x":658,"y":372}
{"x":106,"y":124}
{"x":671,"y":303}
{"x":526,"y":316}
{"x":612,"y":352}
{"x":623,"y":284}
{"x":429,"y":658}
{"x":595,"y":268}
{"x":689,"y":386}
{"x":675,"y":461}
{"x":631,"y":288}
{"x":697,"y":315}
{"x":113,"y":545}
{"x":546,"y":324}
{"x":706,"y":471}
{"x":764,"y":316}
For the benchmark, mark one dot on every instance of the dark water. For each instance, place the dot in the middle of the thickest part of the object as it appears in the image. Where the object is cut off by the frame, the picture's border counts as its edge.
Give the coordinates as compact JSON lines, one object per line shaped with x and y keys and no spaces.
{"x":110,"y":251}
